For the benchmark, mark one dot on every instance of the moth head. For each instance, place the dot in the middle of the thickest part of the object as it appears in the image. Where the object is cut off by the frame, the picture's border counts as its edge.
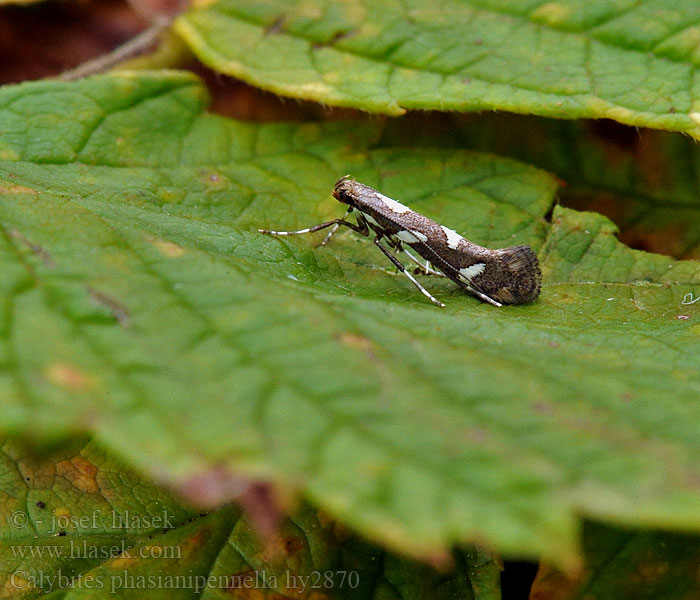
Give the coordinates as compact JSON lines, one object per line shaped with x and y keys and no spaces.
{"x":516,"y":278}
{"x":342,"y":191}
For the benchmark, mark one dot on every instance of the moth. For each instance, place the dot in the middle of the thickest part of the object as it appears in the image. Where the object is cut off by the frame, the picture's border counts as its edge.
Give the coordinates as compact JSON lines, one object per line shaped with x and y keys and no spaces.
{"x":505,"y":276}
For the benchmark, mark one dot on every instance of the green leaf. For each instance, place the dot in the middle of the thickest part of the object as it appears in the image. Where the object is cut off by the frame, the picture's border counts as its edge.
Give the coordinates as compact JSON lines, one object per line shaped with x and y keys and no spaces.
{"x":140,"y":304}
{"x":76,"y":523}
{"x":629,"y":61}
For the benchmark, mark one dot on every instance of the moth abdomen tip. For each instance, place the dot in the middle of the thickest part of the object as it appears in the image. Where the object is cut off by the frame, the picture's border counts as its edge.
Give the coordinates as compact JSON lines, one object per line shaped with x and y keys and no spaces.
{"x":525,"y":276}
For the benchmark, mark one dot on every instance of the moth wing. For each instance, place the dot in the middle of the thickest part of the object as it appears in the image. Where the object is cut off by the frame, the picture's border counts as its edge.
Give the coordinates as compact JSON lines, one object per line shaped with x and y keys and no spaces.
{"x":445,"y":260}
{"x":506,"y":276}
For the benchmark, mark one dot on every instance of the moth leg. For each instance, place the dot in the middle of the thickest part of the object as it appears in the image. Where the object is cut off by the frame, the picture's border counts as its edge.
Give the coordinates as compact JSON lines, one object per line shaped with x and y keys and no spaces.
{"x":479,"y":294}
{"x":430,"y":270}
{"x":396,"y":245}
{"x":362,"y":229}
{"x":484,"y":297}
{"x":397,"y":263}
{"x":427,"y":267}
{"x":335,"y":228}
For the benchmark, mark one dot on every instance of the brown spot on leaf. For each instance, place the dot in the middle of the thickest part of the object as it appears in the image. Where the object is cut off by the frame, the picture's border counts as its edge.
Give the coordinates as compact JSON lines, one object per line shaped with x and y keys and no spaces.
{"x":477,"y":435}
{"x":276,"y":26}
{"x":170,"y":249}
{"x":293,"y":545}
{"x":340,"y":35}
{"x":35,"y":249}
{"x":17,"y":586}
{"x":543,"y":408}
{"x":123,"y":561}
{"x":214,"y":180}
{"x":70,"y":377}
{"x":16,"y":189}
{"x":440,"y":559}
{"x":626,"y":397}
{"x":356,"y":341}
{"x":80,"y":472}
{"x":325,"y":519}
{"x":118,"y":310}
{"x":192,"y":545}
{"x":241,"y":580}
{"x":652,"y":571}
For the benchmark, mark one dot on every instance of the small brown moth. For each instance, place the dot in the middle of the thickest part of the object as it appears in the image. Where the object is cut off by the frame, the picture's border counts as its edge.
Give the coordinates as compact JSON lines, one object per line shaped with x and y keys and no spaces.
{"x":506,"y":276}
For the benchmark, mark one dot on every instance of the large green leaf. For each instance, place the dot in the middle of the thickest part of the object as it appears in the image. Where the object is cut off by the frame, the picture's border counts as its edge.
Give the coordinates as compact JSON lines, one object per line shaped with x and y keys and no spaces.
{"x":141,"y":304}
{"x":78,"y":523}
{"x":632,"y":61}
